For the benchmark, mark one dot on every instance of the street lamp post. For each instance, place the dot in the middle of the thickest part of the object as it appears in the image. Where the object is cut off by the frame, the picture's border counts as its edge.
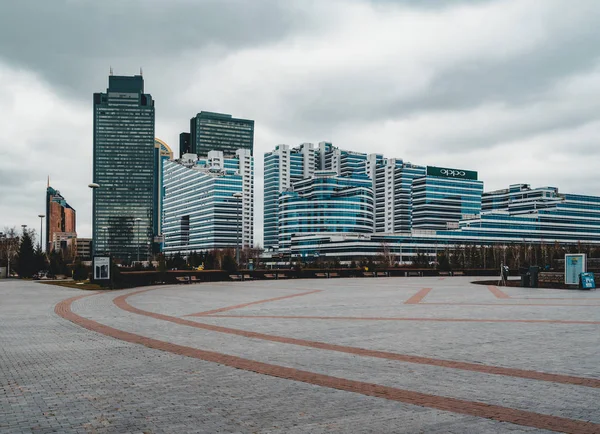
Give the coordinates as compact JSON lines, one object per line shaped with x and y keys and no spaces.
{"x":5,"y":241}
{"x":137,"y":227}
{"x":41,"y":216}
{"x":238,"y":196}
{"x":93,"y":186}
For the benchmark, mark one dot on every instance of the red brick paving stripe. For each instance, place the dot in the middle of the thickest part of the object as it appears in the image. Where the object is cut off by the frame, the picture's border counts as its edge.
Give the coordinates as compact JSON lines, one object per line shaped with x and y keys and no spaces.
{"x":496,"y":291}
{"x":121,"y":302}
{"x":239,"y":306}
{"x":454,"y":405}
{"x":369,"y":318}
{"x":416,"y":299}
{"x":507,"y":304}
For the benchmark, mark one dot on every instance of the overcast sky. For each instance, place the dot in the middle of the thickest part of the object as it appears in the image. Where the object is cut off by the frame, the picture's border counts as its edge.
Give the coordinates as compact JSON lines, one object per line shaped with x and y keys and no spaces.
{"x":510,"y":88}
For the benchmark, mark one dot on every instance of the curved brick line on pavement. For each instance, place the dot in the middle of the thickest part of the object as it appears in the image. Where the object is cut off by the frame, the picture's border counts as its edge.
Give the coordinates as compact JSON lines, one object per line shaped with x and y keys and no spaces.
{"x":497,"y":292}
{"x":454,"y":405}
{"x":508,"y":304}
{"x":239,"y":306}
{"x":416,"y":299}
{"x":121,"y":302}
{"x":367,"y":318}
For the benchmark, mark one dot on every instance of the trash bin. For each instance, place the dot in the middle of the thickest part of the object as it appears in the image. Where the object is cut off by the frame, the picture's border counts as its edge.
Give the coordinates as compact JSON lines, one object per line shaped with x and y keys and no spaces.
{"x":587,"y":281}
{"x":534,"y":276}
{"x":524,"y":272}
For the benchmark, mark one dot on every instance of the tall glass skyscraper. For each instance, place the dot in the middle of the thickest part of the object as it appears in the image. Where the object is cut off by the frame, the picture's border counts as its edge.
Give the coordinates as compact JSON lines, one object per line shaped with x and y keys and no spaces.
{"x":124,"y":167}
{"x":218,"y":132}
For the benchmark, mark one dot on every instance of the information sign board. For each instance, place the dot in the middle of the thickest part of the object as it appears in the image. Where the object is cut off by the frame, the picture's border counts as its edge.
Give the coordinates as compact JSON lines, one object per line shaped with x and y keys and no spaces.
{"x":575,"y":264}
{"x":101,"y":267}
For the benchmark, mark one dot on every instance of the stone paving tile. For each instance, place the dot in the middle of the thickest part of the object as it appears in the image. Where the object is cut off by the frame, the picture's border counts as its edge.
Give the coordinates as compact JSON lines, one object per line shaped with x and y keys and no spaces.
{"x":562,"y":400}
{"x":569,"y":349}
{"x":59,"y":377}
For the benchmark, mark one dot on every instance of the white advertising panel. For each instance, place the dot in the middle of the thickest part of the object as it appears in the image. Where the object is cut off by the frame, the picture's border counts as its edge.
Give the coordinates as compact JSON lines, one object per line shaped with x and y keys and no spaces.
{"x":575,"y":264}
{"x":101,"y":268}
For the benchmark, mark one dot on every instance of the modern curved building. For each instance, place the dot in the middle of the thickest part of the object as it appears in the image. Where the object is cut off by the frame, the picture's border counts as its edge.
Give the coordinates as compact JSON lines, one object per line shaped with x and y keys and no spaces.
{"x":200,"y":210}
{"x":513,"y":216}
{"x":326,"y":202}
{"x":164,"y":149}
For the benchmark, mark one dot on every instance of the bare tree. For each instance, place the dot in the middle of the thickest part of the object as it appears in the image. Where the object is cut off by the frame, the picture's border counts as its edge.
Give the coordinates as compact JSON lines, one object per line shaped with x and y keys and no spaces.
{"x":386,"y":255}
{"x":9,"y":245}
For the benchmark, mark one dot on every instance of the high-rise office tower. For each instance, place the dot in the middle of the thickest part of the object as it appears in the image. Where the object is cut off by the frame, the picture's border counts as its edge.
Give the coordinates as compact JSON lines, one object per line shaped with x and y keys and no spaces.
{"x":124,"y":167}
{"x":217,"y":132}
{"x":184,"y":144}
{"x":60,"y":220}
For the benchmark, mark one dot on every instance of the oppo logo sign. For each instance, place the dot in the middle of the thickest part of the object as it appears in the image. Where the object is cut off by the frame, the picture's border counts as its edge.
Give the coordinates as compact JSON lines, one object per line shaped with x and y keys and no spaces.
{"x":451,"y":172}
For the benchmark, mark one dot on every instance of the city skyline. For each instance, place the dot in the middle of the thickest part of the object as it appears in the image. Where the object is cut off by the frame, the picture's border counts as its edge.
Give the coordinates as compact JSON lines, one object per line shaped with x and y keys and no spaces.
{"x":514,"y":97}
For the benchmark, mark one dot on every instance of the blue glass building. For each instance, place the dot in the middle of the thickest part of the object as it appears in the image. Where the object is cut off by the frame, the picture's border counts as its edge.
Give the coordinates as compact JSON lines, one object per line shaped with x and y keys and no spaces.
{"x":517,"y":215}
{"x":200,"y":211}
{"x":443,"y":197}
{"x":282,"y":168}
{"x":391,"y":182}
{"x":326,"y":202}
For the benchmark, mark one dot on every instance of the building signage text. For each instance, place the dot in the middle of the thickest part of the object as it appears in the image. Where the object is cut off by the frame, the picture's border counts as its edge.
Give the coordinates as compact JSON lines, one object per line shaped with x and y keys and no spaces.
{"x":451,"y":173}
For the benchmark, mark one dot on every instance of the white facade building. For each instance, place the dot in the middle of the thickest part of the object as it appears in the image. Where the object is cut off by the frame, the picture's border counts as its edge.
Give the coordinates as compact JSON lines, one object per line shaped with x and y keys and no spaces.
{"x":200,"y":210}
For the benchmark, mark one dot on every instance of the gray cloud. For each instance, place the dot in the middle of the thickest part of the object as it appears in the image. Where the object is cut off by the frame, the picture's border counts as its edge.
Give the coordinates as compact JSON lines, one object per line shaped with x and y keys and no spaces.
{"x":66,"y":41}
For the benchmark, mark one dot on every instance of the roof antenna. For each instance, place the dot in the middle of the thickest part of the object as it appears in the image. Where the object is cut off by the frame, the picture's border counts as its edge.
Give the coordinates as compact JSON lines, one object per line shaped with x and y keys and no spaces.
{"x":48,"y":181}
{"x":141,"y":72}
{"x":111,"y":71}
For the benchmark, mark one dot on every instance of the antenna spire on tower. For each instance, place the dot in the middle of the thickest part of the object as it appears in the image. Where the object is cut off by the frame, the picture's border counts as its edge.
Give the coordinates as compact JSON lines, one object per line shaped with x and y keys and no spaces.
{"x":48,"y":181}
{"x":111,"y":71}
{"x":141,"y":72}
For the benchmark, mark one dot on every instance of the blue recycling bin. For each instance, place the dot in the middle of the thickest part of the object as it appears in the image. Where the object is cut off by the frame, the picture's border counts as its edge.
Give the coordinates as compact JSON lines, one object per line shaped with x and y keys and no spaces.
{"x":587,"y":281}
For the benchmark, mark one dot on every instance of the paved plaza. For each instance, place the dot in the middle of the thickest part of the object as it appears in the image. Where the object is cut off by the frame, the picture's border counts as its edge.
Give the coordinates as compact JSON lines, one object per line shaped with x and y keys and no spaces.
{"x":369,"y":355}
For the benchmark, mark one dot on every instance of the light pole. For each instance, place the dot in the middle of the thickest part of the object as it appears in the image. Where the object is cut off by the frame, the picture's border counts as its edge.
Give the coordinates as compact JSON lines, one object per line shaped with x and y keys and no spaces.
{"x":238,"y":196}
{"x":137,"y":227}
{"x":93,"y":186}
{"x":41,"y":216}
{"x":6,"y":244}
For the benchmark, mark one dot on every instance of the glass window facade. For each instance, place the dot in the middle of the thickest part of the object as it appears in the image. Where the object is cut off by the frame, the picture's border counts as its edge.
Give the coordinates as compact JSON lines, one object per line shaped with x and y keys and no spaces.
{"x":124,"y":167}
{"x":439,"y":202}
{"x":571,"y":220}
{"x":219,"y":132}
{"x":200,"y":212}
{"x":326,"y":203}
